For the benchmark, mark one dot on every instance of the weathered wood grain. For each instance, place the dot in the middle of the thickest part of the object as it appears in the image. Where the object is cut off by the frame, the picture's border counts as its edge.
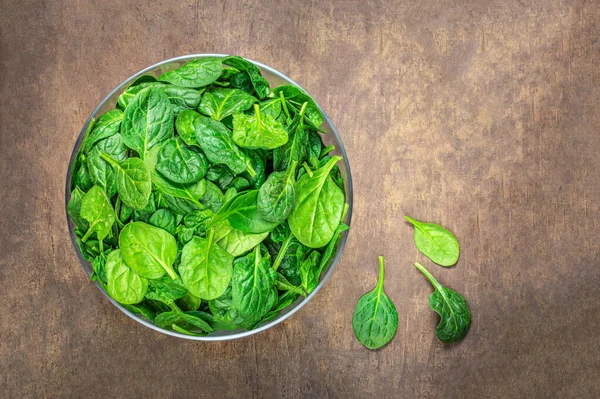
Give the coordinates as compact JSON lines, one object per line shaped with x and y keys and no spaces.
{"x":480,"y":115}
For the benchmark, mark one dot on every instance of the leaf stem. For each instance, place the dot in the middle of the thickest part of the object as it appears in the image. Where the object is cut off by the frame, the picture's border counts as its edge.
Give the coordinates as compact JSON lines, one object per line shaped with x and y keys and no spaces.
{"x":326,"y":151}
{"x":284,"y":105}
{"x":257,"y":113}
{"x":381,"y":273}
{"x":429,"y":276}
{"x":87,"y":234}
{"x":282,"y":251}
{"x":344,"y":212}
{"x":308,"y":171}
{"x":303,"y":109}
{"x":411,"y":220}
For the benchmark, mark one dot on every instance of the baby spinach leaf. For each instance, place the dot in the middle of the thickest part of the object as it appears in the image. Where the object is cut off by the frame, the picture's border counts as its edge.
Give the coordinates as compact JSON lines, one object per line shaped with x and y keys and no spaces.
{"x":315,"y":144}
{"x":375,"y":319}
{"x":236,"y":242}
{"x":107,"y":125}
{"x":133,"y":181}
{"x":144,"y":214}
{"x":455,"y":317}
{"x":99,"y":267}
{"x":277,"y":196}
{"x":74,"y":209}
{"x":165,"y":290}
{"x":188,"y":302}
{"x":129,"y":94}
{"x":318,"y":208}
{"x":148,"y":250}
{"x":331,"y":248}
{"x":239,"y":184}
{"x":309,"y":272}
{"x":223,"y":310}
{"x":251,"y":284}
{"x":101,"y":172}
{"x":260,"y":84}
{"x":182,"y":98}
{"x":180,"y":163}
{"x":141,"y":310}
{"x":164,"y":219}
{"x":212,"y":197}
{"x":205,"y":268}
{"x":283,"y":284}
{"x":185,"y":126}
{"x":296,"y":147}
{"x":243,"y":215}
{"x":195,"y":74}
{"x":98,"y":211}
{"x":182,"y":322}
{"x":148,"y":120}
{"x":123,"y":284}
{"x":220,"y":174}
{"x":271,"y":107}
{"x":435,"y":242}
{"x":257,"y":165}
{"x":296,"y":97}
{"x":219,"y":103}
{"x":216,"y":142}
{"x":258,"y":131}
{"x":188,"y":192}
{"x":82,"y":178}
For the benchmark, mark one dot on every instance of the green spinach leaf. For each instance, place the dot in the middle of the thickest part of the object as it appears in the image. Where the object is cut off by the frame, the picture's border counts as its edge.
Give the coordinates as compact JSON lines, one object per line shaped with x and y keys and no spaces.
{"x":252,"y":284}
{"x":219,"y":103}
{"x":277,"y":196}
{"x":123,"y":284}
{"x":98,"y":211}
{"x":195,"y":74}
{"x":164,"y":219}
{"x":258,"y":131}
{"x":435,"y":242}
{"x":133,"y":181}
{"x":180,"y":163}
{"x":260,"y":84}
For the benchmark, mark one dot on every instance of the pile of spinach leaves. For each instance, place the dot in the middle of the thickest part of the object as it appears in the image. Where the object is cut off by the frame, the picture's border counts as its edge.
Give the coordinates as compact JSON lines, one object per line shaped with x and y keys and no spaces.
{"x":207,"y":201}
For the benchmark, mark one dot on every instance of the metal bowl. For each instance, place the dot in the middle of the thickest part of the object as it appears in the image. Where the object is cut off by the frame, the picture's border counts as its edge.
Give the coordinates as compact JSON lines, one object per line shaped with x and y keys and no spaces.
{"x":275,"y":78}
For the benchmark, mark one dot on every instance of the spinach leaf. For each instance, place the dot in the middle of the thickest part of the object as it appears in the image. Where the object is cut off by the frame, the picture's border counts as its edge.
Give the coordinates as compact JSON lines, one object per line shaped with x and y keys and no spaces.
{"x":99,"y":267}
{"x":283,"y":284}
{"x":375,"y":319}
{"x":315,"y":144}
{"x":195,"y":74}
{"x":318,"y":208}
{"x":128,"y":95}
{"x":182,"y":98}
{"x":212,"y":197}
{"x":101,"y":173}
{"x":184,"y":124}
{"x":309,"y":272}
{"x":148,"y":250}
{"x":180,"y":163}
{"x":148,"y":120}
{"x":239,"y":184}
{"x":188,"y":302}
{"x":133,"y":181}
{"x":260,"y":84}
{"x":271,"y":107}
{"x":277,"y":196}
{"x":219,"y":103}
{"x":74,"y":209}
{"x":242,"y":213}
{"x":82,"y":178}
{"x":144,"y":214}
{"x":258,"y":131}
{"x":107,"y":125}
{"x":205,"y":268}
{"x":141,"y":310}
{"x":164,"y":219}
{"x":223,"y":310}
{"x":257,"y":164}
{"x":289,"y":258}
{"x":182,"y":322}
{"x":329,"y":252}
{"x":252,"y":284}
{"x":296,"y":97}
{"x":236,"y":242}
{"x":296,"y":147}
{"x":216,"y":142}
{"x":221,"y":175}
{"x":435,"y":242}
{"x":188,"y":192}
{"x":165,"y":290}
{"x":455,"y":317}
{"x":98,"y":211}
{"x":123,"y":284}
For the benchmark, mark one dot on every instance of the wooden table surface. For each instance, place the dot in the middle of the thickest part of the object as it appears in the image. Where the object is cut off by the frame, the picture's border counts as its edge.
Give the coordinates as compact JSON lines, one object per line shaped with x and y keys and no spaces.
{"x":483,"y":116}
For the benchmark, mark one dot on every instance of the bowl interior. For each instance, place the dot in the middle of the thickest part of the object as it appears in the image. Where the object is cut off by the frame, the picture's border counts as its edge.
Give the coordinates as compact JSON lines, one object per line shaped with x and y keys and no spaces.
{"x":275,"y":78}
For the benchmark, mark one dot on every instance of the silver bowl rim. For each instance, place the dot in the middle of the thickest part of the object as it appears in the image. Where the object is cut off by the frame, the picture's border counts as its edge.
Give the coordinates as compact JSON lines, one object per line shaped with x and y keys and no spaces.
{"x":237,"y":335}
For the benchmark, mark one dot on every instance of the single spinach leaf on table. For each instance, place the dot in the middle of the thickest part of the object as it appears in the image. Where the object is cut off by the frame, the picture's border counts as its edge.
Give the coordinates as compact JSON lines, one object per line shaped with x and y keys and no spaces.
{"x":375,"y":319}
{"x":133,"y":181}
{"x":318,"y":208}
{"x":260,"y":84}
{"x":277,"y":196}
{"x":220,"y":103}
{"x":252,"y":283}
{"x":180,"y":163}
{"x":194,"y":74}
{"x":147,"y":120}
{"x":435,"y":242}
{"x":205,"y":268}
{"x":98,"y":211}
{"x":148,"y":250}
{"x":218,"y":145}
{"x":258,"y":131}
{"x":164,"y":219}
{"x":455,"y":316}
{"x":107,"y":125}
{"x":123,"y":284}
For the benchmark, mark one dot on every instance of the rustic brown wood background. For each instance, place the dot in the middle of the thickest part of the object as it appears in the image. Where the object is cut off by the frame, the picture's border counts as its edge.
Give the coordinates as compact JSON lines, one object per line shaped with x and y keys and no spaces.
{"x":483,"y":116}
